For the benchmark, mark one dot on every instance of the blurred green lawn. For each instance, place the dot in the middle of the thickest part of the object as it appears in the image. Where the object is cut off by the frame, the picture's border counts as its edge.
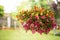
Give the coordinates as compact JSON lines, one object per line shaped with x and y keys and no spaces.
{"x":22,"y":35}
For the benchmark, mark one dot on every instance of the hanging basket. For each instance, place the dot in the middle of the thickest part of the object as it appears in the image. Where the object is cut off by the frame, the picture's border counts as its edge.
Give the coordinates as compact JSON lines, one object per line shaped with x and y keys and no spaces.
{"x":39,"y":20}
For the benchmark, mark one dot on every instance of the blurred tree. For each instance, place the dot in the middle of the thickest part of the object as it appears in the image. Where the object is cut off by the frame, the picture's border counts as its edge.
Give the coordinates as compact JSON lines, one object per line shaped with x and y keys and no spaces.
{"x":13,"y":15}
{"x":1,"y":11}
{"x":32,"y":3}
{"x":39,"y":3}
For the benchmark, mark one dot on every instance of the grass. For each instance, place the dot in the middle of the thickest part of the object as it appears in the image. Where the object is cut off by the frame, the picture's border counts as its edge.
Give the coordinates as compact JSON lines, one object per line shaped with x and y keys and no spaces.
{"x":22,"y":35}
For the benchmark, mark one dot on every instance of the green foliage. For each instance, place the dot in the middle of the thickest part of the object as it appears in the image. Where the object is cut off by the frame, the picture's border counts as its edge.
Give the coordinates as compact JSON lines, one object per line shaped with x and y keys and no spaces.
{"x":1,"y":11}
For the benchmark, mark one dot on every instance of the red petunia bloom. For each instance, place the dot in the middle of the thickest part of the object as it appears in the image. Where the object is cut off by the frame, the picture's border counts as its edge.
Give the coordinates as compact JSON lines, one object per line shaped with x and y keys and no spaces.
{"x":37,"y":17}
{"x":52,"y":18}
{"x":43,"y":17}
{"x":33,"y":31}
{"x":26,"y":27}
{"x":40,"y":31}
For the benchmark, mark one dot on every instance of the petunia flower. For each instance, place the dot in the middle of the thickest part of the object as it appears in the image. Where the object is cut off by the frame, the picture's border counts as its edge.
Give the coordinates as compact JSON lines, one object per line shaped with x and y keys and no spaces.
{"x":32,"y":25}
{"x":33,"y":31}
{"x":47,"y":31}
{"x":26,"y":27}
{"x":43,"y":17}
{"x":54,"y":24}
{"x":40,"y":31}
{"x":36,"y":24}
{"x":52,"y":18}
{"x":37,"y":17}
{"x":29,"y":22}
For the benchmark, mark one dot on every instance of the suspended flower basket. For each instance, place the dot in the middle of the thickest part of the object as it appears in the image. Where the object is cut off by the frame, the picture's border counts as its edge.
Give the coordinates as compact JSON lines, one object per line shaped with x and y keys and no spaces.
{"x":39,"y":20}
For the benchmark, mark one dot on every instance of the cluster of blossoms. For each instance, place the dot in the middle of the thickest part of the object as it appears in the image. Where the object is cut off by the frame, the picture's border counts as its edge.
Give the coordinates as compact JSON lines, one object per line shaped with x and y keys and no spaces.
{"x":37,"y":19}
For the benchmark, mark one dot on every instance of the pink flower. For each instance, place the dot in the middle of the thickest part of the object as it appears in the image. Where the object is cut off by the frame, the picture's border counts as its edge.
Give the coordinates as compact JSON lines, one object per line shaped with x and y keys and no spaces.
{"x":30,"y":16}
{"x":47,"y":21}
{"x":36,"y":24}
{"x":40,"y":22}
{"x":26,"y":27}
{"x":40,"y":31}
{"x":37,"y":17}
{"x":43,"y":17}
{"x":52,"y":18}
{"x":54,"y":24}
{"x":33,"y":31}
{"x":47,"y":31}
{"x":29,"y":22}
{"x":32,"y":26}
